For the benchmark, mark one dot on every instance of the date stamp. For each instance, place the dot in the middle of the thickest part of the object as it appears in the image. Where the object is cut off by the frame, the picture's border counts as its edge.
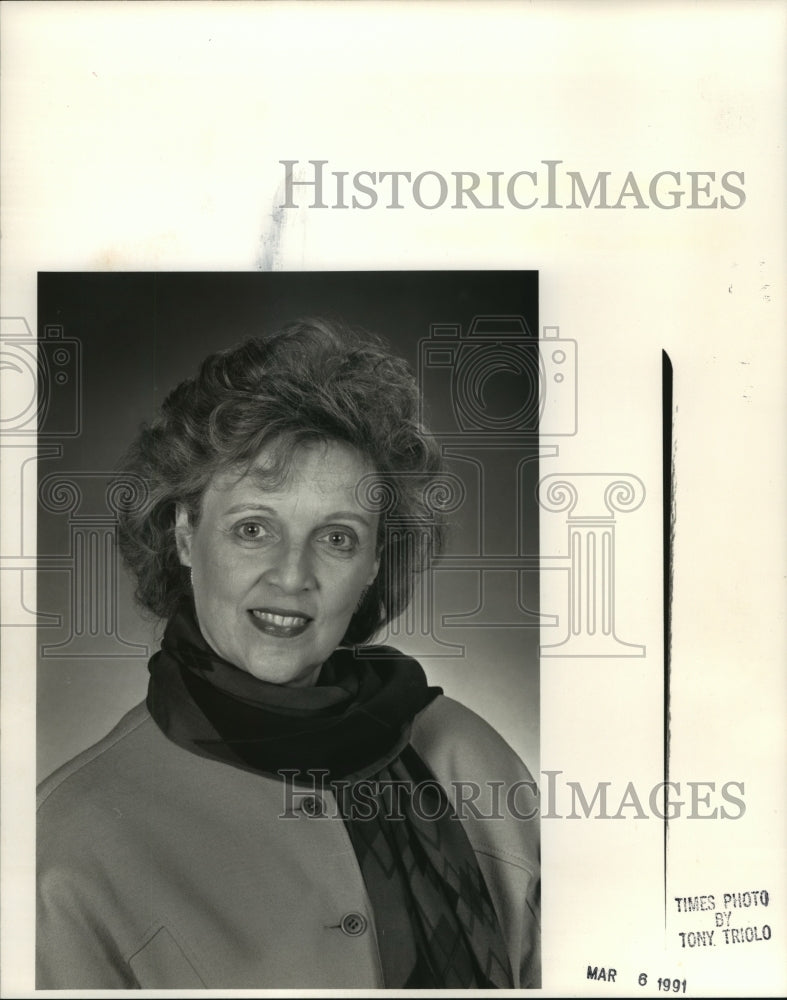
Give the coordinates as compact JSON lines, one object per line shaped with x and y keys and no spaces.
{"x":713,"y":920}
{"x":664,"y":984}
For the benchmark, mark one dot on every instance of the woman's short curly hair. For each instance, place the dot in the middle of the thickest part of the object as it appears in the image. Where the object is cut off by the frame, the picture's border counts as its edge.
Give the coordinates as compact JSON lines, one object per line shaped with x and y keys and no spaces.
{"x":311,"y":381}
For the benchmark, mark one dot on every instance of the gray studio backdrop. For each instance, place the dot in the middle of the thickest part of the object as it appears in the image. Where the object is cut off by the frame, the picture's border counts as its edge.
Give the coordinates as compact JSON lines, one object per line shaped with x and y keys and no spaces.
{"x":110,"y":348}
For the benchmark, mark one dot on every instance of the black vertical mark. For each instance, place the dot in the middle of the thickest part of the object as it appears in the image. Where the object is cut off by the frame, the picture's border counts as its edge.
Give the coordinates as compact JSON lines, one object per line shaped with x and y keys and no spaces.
{"x":667,"y":521}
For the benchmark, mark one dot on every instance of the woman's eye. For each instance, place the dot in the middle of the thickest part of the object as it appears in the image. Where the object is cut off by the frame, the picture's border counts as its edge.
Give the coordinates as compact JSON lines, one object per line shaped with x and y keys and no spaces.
{"x":342,"y":541}
{"x":249,"y":531}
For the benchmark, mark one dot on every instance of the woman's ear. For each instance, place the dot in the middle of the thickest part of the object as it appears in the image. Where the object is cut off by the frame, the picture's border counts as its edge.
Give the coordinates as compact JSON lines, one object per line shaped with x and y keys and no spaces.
{"x":183,"y":533}
{"x":373,"y":575}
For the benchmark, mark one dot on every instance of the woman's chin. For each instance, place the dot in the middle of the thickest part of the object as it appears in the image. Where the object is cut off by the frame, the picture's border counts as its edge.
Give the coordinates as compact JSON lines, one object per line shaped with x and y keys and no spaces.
{"x":284,"y":672}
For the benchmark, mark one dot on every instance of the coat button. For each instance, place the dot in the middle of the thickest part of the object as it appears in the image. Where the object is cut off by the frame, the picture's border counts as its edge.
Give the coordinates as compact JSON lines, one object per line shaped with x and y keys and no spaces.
{"x":353,"y":924}
{"x":312,"y":805}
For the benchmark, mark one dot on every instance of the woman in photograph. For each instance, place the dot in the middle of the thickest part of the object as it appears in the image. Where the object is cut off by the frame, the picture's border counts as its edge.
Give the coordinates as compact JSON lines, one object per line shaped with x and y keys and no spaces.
{"x":290,"y":807}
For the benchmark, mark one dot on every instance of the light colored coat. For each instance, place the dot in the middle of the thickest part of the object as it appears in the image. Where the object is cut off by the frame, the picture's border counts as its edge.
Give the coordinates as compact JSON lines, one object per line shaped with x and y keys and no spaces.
{"x":161,"y":869}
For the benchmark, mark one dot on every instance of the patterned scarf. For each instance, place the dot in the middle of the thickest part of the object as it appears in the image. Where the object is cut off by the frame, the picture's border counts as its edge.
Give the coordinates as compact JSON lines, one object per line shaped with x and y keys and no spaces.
{"x":435,"y":921}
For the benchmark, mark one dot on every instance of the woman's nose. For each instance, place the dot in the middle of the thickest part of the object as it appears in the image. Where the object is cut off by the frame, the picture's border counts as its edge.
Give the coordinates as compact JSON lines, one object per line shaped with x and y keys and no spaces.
{"x":290,"y":568}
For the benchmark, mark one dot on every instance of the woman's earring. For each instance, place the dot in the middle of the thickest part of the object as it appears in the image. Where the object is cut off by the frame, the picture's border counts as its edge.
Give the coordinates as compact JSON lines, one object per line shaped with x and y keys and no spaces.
{"x":362,"y":598}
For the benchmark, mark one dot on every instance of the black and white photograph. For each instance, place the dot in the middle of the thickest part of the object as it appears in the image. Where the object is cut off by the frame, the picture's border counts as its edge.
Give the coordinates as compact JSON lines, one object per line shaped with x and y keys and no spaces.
{"x":392,"y":434}
{"x":280,"y":504}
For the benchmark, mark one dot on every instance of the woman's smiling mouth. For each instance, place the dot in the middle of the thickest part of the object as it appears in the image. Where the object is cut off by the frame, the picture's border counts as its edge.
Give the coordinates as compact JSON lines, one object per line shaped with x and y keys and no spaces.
{"x":283,"y":625}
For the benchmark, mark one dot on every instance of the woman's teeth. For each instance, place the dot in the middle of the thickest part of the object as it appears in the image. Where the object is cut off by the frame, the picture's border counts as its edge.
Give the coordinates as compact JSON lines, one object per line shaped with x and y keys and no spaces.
{"x":283,"y":621}
{"x":279,"y":625}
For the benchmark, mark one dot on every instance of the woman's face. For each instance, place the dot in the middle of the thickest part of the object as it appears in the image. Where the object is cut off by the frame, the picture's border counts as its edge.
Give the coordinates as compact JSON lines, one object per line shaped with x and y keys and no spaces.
{"x":278,"y":572}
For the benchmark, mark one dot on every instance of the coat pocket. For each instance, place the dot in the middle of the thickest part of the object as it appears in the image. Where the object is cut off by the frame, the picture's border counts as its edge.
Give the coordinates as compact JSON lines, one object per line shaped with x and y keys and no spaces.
{"x":160,"y":964}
